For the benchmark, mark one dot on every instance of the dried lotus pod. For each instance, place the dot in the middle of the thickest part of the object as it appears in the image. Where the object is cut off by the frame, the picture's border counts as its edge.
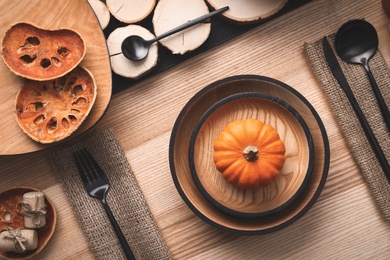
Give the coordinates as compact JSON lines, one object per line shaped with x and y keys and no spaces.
{"x":49,"y":111}
{"x":39,"y":54}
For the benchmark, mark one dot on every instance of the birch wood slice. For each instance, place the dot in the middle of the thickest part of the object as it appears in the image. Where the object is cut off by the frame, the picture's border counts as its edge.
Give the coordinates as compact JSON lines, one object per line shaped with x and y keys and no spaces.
{"x":172,"y":13}
{"x":296,"y":170}
{"x":123,"y":66}
{"x":101,"y":11}
{"x":180,"y":165}
{"x":130,"y":11}
{"x":47,"y":14}
{"x":248,"y":11}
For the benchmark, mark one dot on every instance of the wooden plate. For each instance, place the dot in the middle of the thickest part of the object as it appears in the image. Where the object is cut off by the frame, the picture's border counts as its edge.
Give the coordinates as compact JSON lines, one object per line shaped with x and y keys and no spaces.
{"x":73,"y":14}
{"x":10,"y":203}
{"x":179,"y":163}
{"x":294,"y":175}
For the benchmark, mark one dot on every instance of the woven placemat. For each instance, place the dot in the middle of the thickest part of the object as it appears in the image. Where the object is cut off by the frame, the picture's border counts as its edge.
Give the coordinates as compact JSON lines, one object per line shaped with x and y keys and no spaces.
{"x":124,"y":197}
{"x":347,"y":119}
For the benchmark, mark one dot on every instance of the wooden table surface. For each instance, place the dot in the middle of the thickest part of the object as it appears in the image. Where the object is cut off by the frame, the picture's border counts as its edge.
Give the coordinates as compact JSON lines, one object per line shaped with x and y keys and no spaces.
{"x":345,"y":223}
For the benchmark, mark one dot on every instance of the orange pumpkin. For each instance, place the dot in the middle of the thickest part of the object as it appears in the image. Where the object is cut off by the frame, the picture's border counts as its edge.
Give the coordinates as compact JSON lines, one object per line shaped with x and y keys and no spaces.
{"x":249,"y":153}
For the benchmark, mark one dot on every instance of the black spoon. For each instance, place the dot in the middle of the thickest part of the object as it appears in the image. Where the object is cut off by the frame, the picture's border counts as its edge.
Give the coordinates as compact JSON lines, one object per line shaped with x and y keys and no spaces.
{"x":356,"y":42}
{"x":136,"y":48}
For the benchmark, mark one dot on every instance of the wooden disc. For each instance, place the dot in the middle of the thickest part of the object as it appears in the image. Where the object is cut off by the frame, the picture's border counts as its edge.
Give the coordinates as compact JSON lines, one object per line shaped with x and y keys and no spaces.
{"x":123,"y":66}
{"x":248,"y":11}
{"x":130,"y":11}
{"x":172,"y":13}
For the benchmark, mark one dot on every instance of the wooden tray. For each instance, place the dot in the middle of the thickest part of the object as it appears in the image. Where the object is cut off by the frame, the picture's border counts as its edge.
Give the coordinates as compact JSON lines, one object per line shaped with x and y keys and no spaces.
{"x":73,"y":14}
{"x":221,"y":31}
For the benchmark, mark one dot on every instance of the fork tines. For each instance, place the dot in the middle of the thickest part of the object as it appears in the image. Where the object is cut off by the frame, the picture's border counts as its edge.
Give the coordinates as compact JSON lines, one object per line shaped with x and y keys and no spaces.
{"x":90,"y":170}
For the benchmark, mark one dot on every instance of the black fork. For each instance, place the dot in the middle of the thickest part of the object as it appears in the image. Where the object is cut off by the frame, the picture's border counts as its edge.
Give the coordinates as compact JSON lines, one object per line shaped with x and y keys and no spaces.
{"x":97,"y":184}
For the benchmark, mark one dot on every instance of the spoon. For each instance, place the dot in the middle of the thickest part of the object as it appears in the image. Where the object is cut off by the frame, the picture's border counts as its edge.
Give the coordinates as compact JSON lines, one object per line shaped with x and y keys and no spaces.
{"x":136,"y":48}
{"x":356,"y":42}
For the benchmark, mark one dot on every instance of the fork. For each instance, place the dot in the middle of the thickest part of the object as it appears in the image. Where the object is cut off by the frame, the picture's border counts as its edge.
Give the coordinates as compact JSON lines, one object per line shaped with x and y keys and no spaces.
{"x":97,"y":184}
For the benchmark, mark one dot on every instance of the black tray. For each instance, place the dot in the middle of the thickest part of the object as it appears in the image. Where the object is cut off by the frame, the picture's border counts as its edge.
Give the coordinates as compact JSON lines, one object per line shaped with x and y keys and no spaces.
{"x":221,"y":31}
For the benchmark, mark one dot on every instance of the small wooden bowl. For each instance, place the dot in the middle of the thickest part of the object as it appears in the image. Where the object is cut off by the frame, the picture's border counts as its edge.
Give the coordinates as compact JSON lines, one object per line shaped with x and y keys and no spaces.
{"x":180,"y":166}
{"x":296,"y":170}
{"x":10,"y":204}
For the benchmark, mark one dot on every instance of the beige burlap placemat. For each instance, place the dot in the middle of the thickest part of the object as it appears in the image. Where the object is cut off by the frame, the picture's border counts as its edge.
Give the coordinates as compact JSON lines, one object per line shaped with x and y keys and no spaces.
{"x":124,"y":197}
{"x":346,"y":117}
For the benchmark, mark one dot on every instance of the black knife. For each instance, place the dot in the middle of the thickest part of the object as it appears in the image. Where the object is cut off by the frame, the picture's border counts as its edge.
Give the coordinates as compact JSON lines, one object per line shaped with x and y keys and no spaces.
{"x":337,"y":72}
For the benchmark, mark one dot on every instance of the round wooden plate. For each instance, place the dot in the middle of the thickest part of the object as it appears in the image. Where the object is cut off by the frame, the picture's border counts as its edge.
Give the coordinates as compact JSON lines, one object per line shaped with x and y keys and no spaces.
{"x":73,"y":14}
{"x":180,"y":167}
{"x":294,"y":175}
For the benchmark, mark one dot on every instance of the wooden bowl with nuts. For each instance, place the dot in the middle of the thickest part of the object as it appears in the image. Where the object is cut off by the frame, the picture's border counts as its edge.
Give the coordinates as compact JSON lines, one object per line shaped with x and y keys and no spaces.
{"x":27,"y":222}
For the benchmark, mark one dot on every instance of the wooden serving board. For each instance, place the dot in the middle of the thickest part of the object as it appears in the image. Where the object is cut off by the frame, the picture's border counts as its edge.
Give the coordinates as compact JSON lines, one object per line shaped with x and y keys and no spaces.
{"x":48,"y":14}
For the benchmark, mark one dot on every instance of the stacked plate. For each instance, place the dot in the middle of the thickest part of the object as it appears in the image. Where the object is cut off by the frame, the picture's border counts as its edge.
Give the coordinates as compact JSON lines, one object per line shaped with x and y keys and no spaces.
{"x":221,"y":204}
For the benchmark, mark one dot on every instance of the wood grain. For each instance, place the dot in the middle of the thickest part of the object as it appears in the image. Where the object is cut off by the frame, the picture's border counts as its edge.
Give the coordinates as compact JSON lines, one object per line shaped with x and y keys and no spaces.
{"x":343,"y":224}
{"x":75,"y":15}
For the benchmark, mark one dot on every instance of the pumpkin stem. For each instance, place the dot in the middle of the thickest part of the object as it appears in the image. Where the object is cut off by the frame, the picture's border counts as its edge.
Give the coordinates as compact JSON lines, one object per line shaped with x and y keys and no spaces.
{"x":251,"y":153}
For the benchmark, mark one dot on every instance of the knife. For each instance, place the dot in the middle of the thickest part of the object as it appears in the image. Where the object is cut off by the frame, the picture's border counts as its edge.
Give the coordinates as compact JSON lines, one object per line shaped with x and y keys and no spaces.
{"x":337,"y":72}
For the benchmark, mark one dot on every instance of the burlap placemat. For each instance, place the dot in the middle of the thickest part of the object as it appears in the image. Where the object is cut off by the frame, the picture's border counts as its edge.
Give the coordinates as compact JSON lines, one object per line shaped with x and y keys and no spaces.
{"x":346,"y":117}
{"x":124,"y":197}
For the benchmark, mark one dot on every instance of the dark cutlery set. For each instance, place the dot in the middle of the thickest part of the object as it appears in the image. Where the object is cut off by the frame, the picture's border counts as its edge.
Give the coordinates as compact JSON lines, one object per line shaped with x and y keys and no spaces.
{"x":356,"y":42}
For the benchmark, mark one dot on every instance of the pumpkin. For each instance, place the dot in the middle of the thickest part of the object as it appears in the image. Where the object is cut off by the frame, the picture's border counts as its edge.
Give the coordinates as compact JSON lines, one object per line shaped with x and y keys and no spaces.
{"x":249,"y":153}
{"x":38,"y":54}
{"x":49,"y":111}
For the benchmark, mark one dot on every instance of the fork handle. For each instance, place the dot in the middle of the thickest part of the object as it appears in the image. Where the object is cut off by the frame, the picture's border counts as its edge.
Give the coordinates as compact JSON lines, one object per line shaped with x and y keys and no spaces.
{"x":125,"y":246}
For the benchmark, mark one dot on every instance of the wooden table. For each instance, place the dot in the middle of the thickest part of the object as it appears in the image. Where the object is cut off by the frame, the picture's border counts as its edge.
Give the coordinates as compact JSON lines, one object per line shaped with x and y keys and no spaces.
{"x":345,"y":223}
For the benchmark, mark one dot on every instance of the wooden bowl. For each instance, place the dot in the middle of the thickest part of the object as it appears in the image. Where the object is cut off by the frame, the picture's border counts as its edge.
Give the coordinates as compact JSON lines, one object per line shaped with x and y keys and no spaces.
{"x":180,"y":166}
{"x":296,"y":170}
{"x":10,"y":204}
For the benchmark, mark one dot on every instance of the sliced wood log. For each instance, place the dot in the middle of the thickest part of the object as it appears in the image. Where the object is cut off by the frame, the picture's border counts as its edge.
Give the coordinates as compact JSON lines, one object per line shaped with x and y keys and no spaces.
{"x":123,"y":66}
{"x":248,"y":11}
{"x":172,"y":13}
{"x":101,"y":11}
{"x":130,"y":11}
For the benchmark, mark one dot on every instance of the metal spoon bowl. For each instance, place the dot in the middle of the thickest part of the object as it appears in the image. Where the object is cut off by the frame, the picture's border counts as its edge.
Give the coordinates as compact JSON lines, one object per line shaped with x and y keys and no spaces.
{"x":136,"y":48}
{"x":356,"y":42}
